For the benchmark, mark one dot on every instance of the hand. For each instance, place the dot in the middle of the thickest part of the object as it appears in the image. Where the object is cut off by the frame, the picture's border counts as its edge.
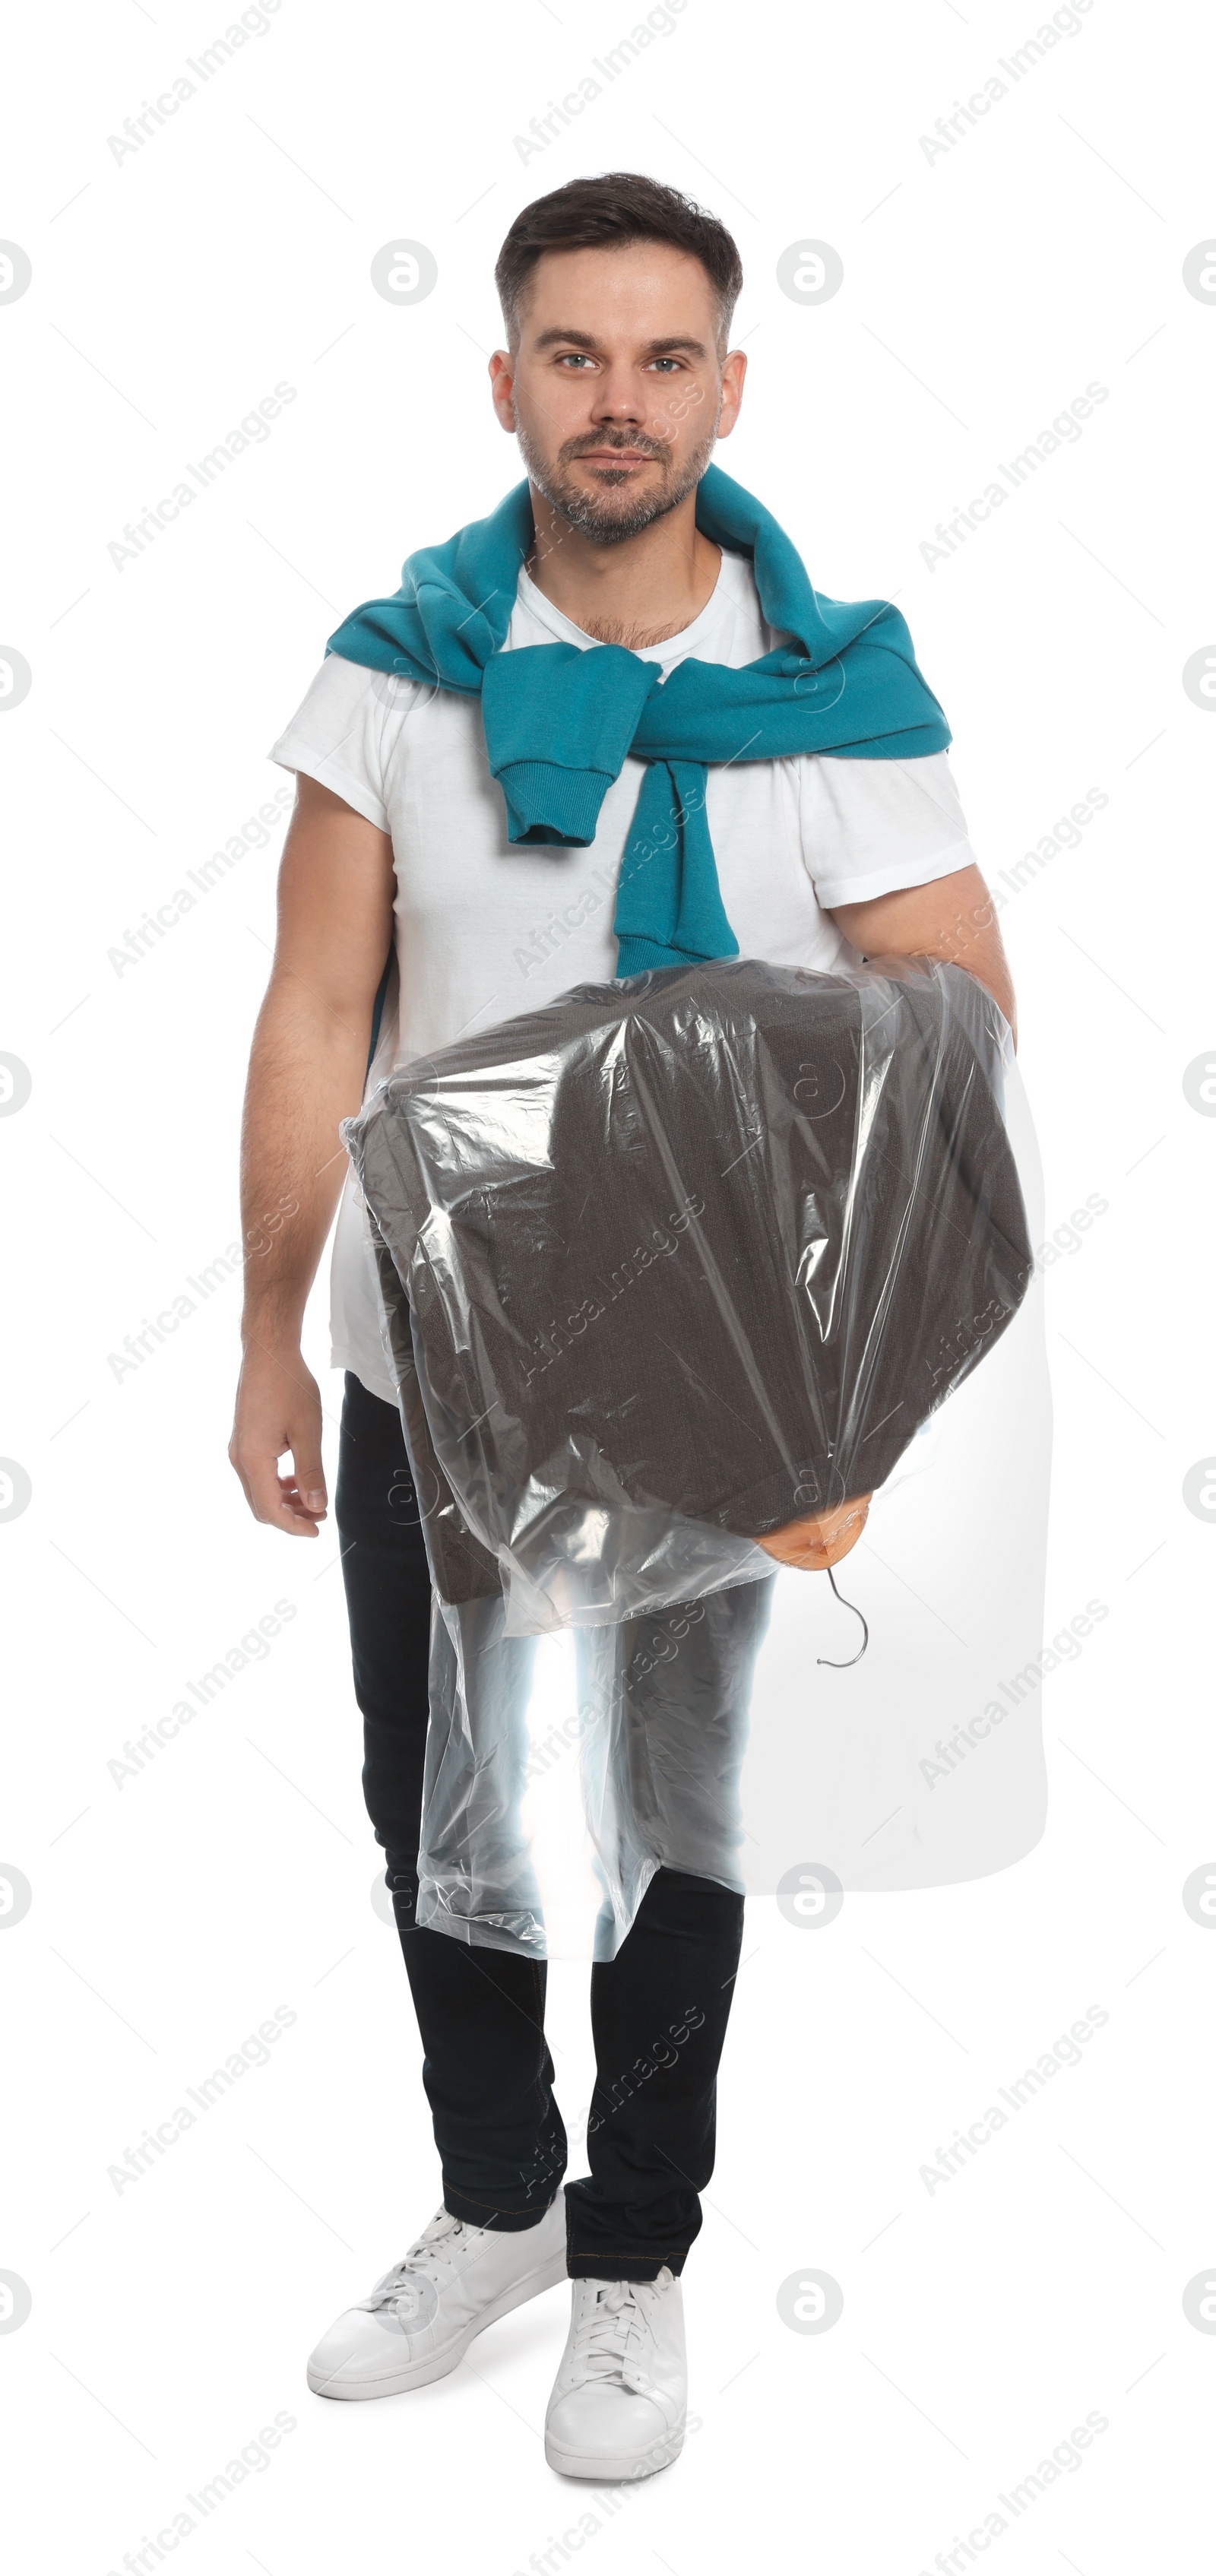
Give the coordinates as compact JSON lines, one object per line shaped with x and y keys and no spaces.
{"x":278,"y":1409}
{"x":821,"y":1540}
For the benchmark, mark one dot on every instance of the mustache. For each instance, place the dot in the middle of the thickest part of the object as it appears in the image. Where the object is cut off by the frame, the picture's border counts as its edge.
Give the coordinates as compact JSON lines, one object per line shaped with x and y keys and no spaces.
{"x":574,"y":448}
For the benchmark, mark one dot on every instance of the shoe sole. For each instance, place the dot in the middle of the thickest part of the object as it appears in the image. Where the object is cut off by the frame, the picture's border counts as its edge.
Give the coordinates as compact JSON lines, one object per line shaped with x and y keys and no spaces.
{"x":627,"y":2465}
{"x":438,"y":2364}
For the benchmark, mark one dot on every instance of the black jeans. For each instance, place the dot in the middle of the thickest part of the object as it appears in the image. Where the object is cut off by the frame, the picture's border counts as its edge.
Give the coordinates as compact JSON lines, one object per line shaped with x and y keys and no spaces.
{"x":658,"y":2010}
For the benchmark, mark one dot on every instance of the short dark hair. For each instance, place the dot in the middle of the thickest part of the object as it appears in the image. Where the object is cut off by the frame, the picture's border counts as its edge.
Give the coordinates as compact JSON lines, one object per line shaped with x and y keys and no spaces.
{"x":602,"y":213}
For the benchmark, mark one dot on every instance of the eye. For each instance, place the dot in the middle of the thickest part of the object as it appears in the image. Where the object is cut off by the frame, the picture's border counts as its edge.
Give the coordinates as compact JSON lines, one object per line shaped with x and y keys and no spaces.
{"x":575,"y":358}
{"x":665,"y":362}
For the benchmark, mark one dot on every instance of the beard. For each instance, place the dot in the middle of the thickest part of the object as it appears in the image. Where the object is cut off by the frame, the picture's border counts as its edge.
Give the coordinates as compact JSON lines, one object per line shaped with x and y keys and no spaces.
{"x":614,"y":513}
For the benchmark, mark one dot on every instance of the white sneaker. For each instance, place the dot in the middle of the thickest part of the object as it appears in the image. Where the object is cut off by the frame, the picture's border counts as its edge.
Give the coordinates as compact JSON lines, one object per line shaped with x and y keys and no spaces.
{"x":420,"y":2319}
{"x":620,"y":2398}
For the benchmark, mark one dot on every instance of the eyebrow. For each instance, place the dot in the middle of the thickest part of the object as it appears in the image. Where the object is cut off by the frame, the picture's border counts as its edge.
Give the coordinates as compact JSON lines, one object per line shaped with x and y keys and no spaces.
{"x":652,"y":348}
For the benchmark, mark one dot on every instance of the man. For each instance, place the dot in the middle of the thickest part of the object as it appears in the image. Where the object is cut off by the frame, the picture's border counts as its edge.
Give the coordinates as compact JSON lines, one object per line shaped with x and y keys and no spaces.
{"x":617,"y":381}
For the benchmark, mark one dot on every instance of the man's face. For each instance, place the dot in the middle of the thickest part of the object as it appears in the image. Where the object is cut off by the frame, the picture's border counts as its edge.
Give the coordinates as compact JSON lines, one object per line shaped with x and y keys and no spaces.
{"x":616,"y":392}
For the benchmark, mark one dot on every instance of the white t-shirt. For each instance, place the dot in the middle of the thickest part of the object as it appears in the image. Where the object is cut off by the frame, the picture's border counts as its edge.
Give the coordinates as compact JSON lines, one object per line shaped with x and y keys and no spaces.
{"x":484,"y":931}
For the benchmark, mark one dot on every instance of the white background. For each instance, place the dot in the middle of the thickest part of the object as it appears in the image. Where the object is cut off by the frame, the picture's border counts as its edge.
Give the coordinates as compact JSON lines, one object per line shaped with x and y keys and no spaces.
{"x":170,"y":1915}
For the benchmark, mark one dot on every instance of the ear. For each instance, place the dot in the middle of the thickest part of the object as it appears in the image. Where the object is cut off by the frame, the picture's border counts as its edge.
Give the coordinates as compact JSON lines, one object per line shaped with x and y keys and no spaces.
{"x":502,"y":388}
{"x":734,"y":369}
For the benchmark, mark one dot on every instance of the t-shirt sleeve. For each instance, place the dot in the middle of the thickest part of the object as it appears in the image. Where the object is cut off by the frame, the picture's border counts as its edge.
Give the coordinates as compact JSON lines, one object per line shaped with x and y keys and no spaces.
{"x":342,"y":732}
{"x":871,"y":827}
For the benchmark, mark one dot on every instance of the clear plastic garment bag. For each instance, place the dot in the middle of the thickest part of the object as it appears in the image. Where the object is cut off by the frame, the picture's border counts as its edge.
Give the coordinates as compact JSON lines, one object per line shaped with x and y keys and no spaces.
{"x":666,"y":1270}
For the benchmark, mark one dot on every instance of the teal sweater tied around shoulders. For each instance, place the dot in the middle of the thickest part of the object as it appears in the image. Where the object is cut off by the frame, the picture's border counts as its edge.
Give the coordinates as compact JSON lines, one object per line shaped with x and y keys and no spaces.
{"x":560,"y":721}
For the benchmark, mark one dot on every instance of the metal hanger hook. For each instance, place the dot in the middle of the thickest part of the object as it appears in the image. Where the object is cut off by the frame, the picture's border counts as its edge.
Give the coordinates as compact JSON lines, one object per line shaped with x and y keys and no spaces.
{"x":850,"y":1660}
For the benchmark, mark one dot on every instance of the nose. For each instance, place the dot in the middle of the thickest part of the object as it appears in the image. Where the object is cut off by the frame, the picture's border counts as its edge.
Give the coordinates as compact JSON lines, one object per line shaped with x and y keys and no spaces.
{"x":619,"y":399}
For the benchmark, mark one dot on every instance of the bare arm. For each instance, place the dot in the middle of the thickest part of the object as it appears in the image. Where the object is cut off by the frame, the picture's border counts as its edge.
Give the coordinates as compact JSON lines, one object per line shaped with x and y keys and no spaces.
{"x":953,"y":918}
{"x":306,"y":1072}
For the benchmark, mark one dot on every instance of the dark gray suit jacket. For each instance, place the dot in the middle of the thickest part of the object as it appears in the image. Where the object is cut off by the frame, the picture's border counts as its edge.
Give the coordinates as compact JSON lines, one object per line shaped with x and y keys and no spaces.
{"x":716,"y":1239}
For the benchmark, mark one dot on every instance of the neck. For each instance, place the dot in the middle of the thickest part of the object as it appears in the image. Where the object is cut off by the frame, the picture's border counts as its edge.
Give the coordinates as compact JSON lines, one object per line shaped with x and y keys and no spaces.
{"x":635,"y":593}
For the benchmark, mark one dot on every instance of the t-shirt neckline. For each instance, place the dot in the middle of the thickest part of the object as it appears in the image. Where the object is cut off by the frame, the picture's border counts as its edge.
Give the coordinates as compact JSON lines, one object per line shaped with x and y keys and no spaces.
{"x":566,"y":631}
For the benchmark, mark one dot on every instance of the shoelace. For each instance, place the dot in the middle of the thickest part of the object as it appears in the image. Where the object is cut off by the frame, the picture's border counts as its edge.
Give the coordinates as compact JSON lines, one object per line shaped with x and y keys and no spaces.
{"x":441,"y":2242}
{"x":611,"y":2327}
